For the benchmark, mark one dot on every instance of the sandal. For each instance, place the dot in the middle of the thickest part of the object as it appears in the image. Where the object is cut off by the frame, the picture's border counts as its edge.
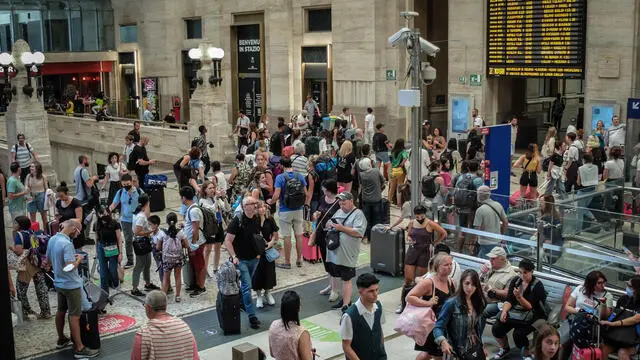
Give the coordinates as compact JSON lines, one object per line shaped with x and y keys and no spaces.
{"x":178,"y":299}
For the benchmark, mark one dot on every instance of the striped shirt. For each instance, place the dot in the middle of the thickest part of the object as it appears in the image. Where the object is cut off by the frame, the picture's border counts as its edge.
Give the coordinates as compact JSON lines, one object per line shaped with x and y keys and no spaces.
{"x":165,"y":338}
{"x":299,"y":164}
{"x":24,"y":154}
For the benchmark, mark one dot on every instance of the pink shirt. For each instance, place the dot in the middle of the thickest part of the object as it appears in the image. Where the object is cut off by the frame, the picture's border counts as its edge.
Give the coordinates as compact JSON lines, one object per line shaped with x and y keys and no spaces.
{"x":164,"y":338}
{"x":283,"y":343}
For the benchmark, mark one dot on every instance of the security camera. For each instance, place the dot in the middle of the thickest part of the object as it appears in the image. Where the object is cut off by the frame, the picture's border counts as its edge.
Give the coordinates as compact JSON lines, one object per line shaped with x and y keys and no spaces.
{"x":428,"y":73}
{"x":400,"y":37}
{"x":428,"y":48}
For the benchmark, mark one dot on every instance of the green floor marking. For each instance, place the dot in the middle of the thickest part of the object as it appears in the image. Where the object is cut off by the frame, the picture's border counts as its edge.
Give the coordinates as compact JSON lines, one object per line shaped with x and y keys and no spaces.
{"x":321,"y":333}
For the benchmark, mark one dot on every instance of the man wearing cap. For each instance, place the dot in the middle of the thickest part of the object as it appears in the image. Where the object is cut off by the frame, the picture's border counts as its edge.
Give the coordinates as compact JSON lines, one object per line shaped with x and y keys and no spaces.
{"x":490,"y":217}
{"x":351,"y":223}
{"x":495,"y":278}
{"x":152,"y":340}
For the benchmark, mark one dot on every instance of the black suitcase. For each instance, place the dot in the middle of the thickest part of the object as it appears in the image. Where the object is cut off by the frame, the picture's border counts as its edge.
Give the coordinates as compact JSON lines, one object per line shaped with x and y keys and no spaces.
{"x":156,"y":198}
{"x":386,"y":212}
{"x":387,"y":250}
{"x":228,"y":310}
{"x":89,"y":332}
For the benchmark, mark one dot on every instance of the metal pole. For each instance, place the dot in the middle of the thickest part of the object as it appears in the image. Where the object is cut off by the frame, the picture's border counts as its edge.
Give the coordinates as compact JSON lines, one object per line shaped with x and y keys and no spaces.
{"x":416,"y":128}
{"x":6,"y":341}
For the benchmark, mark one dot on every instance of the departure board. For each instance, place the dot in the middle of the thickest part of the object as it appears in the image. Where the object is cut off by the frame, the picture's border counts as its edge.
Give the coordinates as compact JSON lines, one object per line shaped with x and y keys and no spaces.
{"x":536,"y":38}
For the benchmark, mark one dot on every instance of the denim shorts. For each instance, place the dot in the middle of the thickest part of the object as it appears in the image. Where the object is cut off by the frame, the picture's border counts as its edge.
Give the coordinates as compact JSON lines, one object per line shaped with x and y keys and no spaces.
{"x":383,"y":157}
{"x":37,"y":204}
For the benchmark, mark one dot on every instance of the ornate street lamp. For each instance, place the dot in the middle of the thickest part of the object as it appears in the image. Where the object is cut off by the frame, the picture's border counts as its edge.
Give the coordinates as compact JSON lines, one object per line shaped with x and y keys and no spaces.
{"x":211,"y":55}
{"x":33,"y":64}
{"x":8,"y":71}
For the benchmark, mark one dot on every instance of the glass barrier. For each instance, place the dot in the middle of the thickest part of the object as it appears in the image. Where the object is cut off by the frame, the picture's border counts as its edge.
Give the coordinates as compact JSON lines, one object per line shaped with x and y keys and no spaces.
{"x":558,"y":235}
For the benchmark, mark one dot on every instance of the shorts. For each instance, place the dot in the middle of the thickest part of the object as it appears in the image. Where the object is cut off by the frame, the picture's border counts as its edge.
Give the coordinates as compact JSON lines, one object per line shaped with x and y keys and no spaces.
{"x":529,"y":179}
{"x":417,"y":256}
{"x":289,"y":219}
{"x":37,"y":204}
{"x":196,"y":258}
{"x":345,"y":273}
{"x":70,"y":301}
{"x":383,"y":157}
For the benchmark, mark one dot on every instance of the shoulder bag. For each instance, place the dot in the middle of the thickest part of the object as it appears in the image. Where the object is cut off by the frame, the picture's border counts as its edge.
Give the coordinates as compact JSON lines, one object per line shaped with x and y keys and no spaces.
{"x":417,"y":322}
{"x":621,"y":336}
{"x":333,"y":236}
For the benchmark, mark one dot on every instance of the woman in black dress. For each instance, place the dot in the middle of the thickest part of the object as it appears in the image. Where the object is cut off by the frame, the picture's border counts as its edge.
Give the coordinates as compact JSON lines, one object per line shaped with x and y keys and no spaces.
{"x":327,"y":207}
{"x":264,"y":277}
{"x":434,"y":292}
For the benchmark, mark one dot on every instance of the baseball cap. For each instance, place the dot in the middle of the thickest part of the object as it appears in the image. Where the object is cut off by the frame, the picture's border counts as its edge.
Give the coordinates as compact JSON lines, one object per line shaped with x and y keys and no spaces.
{"x":497,"y":251}
{"x":345,"y":196}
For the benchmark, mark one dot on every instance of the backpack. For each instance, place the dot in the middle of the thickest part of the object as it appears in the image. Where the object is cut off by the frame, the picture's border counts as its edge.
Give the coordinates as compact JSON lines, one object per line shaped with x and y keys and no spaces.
{"x":430,"y":187}
{"x":172,"y":249}
{"x":228,"y":278}
{"x":38,"y":252}
{"x":242,"y":180}
{"x":465,"y":193}
{"x":583,"y":330}
{"x":326,"y":168}
{"x":580,"y":155}
{"x":209,"y":225}
{"x":294,"y":196}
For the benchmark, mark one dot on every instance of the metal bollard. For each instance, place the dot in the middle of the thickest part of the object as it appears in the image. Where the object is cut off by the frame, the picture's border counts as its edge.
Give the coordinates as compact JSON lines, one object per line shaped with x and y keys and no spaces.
{"x":245,"y":351}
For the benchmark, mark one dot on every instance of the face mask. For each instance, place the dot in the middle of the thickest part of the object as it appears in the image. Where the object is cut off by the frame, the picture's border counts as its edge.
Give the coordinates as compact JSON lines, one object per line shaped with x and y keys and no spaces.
{"x":421,"y":221}
{"x":128,"y":187}
{"x":629,"y":291}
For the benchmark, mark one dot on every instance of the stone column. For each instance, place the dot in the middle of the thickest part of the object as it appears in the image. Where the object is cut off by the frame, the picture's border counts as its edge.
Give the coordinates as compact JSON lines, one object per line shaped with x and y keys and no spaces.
{"x":26,"y":115}
{"x":208,"y":107}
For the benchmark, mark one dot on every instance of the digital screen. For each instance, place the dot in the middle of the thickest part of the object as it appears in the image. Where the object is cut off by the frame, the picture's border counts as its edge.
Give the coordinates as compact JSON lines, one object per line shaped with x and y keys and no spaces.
{"x":536,"y":38}
{"x":602,"y":113}
{"x":460,"y":114}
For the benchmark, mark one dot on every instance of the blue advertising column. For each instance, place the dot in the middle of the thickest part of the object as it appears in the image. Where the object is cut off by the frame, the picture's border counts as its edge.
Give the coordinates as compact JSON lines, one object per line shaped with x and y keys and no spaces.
{"x":497,"y":163}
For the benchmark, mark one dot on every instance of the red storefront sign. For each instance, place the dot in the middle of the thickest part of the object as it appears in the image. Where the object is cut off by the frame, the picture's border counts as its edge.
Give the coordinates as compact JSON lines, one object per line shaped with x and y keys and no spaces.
{"x":77,"y":67}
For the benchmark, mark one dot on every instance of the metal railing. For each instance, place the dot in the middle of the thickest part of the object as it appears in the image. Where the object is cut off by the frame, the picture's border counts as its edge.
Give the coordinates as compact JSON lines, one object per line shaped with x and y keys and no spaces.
{"x":123,"y":120}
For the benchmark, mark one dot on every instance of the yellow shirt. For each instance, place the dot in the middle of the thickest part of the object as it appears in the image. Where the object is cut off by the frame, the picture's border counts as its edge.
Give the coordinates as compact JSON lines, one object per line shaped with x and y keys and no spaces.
{"x":70,"y":108}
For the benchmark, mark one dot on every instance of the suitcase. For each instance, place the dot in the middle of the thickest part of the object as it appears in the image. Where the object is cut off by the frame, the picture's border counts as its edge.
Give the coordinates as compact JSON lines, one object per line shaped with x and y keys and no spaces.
{"x":188,"y":275}
{"x":228,"y":310}
{"x":89,"y":332}
{"x":156,"y":198}
{"x":386,"y":212}
{"x":590,"y":353}
{"x":53,"y":227}
{"x":310,"y":253}
{"x":387,"y":250}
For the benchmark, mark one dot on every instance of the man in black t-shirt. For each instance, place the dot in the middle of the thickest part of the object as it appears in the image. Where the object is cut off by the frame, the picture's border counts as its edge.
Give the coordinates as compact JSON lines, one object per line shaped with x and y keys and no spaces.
{"x":381,"y":145}
{"x":242,"y":233}
{"x":139,"y":160}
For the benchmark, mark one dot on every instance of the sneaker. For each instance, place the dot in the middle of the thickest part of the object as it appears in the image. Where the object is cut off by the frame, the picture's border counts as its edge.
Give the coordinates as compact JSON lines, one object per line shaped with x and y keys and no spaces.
{"x":255,"y":323}
{"x":198,"y":292}
{"x":136,"y":292}
{"x":209,"y":277}
{"x":284,"y":266}
{"x":191,"y":288}
{"x":260,"y":302}
{"x":128,"y":265}
{"x":337,"y":305}
{"x":86,"y":353}
{"x":326,"y":291}
{"x":334,"y":296}
{"x":270,"y":300}
{"x":62,"y":343}
{"x":151,"y":287}
{"x":399,"y":309}
{"x":501,"y":354}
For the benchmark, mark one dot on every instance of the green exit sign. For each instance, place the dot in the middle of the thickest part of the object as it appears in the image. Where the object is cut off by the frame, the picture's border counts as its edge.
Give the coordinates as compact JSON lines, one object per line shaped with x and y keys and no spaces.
{"x":475,"y":79}
{"x":391,"y":74}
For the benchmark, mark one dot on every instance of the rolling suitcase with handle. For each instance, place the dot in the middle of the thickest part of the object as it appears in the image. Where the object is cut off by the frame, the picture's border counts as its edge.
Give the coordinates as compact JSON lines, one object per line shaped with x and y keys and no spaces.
{"x":228,"y":311}
{"x":310,"y":253}
{"x":89,"y":332}
{"x":387,"y":250}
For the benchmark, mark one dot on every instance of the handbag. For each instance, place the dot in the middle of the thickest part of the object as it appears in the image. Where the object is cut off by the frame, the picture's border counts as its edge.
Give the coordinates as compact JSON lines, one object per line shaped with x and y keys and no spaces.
{"x":416,"y":322}
{"x":13,"y":260}
{"x":621,"y":336}
{"x":475,"y":352}
{"x":141,"y":245}
{"x":111,"y":250}
{"x":333,"y":236}
{"x":517,"y":314}
{"x":272,"y":254}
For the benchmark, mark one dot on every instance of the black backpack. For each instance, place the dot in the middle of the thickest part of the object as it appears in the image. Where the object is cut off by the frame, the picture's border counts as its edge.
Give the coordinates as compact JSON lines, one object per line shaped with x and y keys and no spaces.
{"x":430,"y":187}
{"x":583,"y":330}
{"x":294,"y":196}
{"x":465,"y":193}
{"x":209,"y":225}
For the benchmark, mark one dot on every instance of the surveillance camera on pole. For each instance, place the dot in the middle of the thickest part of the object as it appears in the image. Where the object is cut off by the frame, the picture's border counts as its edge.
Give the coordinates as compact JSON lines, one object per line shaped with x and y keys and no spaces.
{"x":421,"y":73}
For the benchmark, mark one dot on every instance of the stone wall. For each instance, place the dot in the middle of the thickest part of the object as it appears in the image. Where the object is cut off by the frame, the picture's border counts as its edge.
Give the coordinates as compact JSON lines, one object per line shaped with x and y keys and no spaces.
{"x":71,"y":137}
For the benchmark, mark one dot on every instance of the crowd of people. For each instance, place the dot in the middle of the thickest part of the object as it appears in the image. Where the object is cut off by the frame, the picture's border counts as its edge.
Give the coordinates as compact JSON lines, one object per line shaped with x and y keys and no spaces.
{"x":312,"y":183}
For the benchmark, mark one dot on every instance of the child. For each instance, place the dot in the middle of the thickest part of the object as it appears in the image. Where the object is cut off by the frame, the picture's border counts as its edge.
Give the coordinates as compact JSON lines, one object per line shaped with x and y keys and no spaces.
{"x":555,"y":171}
{"x":547,"y":344}
{"x":172,"y":246}
{"x":156,"y":236}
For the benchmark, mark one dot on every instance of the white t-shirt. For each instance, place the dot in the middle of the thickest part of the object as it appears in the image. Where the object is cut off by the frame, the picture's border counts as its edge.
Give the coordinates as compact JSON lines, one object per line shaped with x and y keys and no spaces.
{"x":571,"y":154}
{"x":323,"y":146}
{"x":244,"y":122}
{"x":369,"y":121}
{"x":615,"y":168}
{"x":616,"y":135}
{"x":514,"y":134}
{"x":140,"y":219}
{"x":114,"y":171}
{"x":588,"y":175}
{"x":192,"y":214}
{"x":222,"y":181}
{"x":589,"y":303}
{"x":477,"y":121}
